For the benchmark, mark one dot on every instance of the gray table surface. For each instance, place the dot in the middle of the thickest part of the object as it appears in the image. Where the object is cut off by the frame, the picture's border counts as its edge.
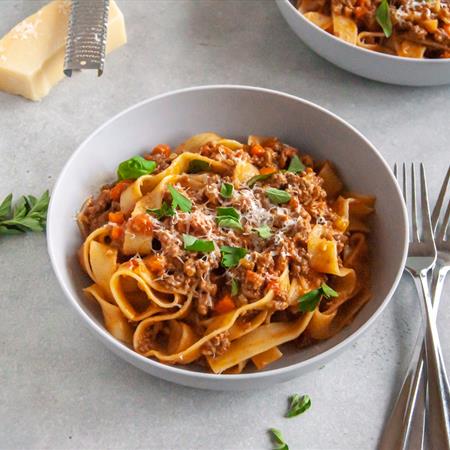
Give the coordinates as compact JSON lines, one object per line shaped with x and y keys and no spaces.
{"x":59,"y":387}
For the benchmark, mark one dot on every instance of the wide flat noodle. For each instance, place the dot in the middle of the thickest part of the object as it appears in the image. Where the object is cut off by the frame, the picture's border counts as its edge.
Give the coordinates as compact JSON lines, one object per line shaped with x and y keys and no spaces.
{"x":115,"y":321}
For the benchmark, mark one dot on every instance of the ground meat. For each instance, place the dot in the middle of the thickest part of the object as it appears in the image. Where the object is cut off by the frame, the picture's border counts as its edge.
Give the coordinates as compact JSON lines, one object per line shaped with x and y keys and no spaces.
{"x":217,"y":346}
{"x":95,"y":211}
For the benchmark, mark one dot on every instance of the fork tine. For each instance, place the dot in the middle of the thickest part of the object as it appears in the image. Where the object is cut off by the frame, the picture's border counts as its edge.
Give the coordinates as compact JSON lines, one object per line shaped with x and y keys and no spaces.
{"x":404,"y":183}
{"x":440,"y":201}
{"x":442,"y":230}
{"x":415,"y":234}
{"x":427,"y":233}
{"x":395,"y":171}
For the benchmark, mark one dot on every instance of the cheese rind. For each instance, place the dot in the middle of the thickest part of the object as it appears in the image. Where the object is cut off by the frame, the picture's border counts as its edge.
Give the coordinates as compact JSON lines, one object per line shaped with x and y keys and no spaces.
{"x":32,"y":53}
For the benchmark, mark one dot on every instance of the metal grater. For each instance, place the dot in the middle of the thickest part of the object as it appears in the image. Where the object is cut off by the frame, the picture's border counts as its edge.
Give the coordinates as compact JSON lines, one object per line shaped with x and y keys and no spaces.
{"x":86,"y":39}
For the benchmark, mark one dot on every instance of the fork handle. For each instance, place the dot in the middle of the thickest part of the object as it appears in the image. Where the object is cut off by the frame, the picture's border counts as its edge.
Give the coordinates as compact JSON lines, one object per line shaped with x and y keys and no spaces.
{"x":397,"y":427}
{"x":438,"y":387}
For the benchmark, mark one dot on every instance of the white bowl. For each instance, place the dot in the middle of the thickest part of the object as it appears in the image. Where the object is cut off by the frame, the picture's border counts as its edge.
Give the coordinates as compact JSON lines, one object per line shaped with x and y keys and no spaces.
{"x":232,"y":111}
{"x":367,"y":63}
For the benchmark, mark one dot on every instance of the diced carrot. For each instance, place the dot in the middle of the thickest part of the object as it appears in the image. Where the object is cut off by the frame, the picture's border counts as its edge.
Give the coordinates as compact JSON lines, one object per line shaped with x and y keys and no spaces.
{"x":116,"y":233}
{"x":155,"y":264}
{"x":117,"y":190}
{"x":273,"y":285}
{"x":267,"y":170}
{"x":224,"y":305}
{"x":447,"y":30}
{"x":141,"y":224}
{"x":251,"y":276}
{"x":162,"y":149}
{"x":360,"y":11}
{"x":257,"y":150}
{"x":293,"y":202}
{"x":116,"y":217}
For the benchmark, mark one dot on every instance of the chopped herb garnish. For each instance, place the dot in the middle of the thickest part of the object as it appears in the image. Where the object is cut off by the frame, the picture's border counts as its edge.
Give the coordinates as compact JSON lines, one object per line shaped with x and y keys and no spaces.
{"x":309,"y":301}
{"x":264,"y":231}
{"x":226,"y":190}
{"x":228,"y":212}
{"x":328,"y":292}
{"x":383,"y":17}
{"x":228,"y":218}
{"x":278,"y":440}
{"x":179,"y":200}
{"x":299,"y":404}
{"x":234,"y":287}
{"x":29,"y":214}
{"x":296,"y":166}
{"x":257,"y":178}
{"x":192,"y":244}
{"x":134,"y":168}
{"x":277,"y":195}
{"x":231,"y":255}
{"x":165,"y":211}
{"x":197,"y":165}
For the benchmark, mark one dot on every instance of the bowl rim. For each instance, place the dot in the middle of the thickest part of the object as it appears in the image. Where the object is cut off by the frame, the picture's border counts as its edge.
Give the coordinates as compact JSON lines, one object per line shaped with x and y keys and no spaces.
{"x":179,"y":371}
{"x":372,"y":53}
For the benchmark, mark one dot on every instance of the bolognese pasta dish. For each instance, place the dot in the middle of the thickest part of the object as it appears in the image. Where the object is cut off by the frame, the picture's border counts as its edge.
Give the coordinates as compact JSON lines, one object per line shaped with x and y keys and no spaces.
{"x":409,"y":28}
{"x":218,"y":252}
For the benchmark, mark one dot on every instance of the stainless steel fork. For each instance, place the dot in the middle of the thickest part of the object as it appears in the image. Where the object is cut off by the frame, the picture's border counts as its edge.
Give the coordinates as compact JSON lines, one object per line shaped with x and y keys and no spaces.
{"x":421,"y":258}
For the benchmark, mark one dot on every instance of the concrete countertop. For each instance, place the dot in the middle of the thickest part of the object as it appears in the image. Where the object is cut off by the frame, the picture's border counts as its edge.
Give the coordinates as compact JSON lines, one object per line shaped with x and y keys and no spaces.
{"x":60,"y":387}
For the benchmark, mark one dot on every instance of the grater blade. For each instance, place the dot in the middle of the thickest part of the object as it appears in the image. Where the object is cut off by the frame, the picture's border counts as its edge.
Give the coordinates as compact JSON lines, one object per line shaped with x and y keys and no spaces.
{"x":86,"y":39}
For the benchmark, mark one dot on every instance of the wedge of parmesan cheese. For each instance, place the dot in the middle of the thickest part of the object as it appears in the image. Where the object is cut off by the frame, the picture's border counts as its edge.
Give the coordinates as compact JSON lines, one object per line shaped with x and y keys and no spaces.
{"x":32,"y":53}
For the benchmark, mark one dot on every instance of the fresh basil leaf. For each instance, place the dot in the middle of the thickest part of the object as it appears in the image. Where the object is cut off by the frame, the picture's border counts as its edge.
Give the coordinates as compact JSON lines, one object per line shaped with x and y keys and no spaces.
{"x":197,"y":165}
{"x":296,"y":166}
{"x":231,"y":255}
{"x":5,"y":207}
{"x":228,"y":218}
{"x":228,"y":212}
{"x":328,"y":292}
{"x":256,"y":178}
{"x":165,"y":211}
{"x":299,"y":404}
{"x":234,"y":287}
{"x":21,"y":208}
{"x":229,"y":222}
{"x":264,"y":231}
{"x":226,"y":190}
{"x":135,"y":167}
{"x":383,"y":17}
{"x":278,"y":440}
{"x":309,"y":301}
{"x":277,"y":195}
{"x":179,"y":200}
{"x":192,"y":244}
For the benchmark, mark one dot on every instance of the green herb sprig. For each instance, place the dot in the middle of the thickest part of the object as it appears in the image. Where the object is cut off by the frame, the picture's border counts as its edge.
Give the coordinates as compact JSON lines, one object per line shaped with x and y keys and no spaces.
{"x":228,"y":218}
{"x":309,"y":301}
{"x":278,"y":196}
{"x":192,"y":244}
{"x":234,"y":287}
{"x":135,"y":167}
{"x":29,"y":214}
{"x":231,"y":255}
{"x":383,"y":17}
{"x":256,"y":178}
{"x":197,"y":165}
{"x":226,"y":190}
{"x":179,"y":200}
{"x":264,"y":231}
{"x":299,"y":404}
{"x":278,"y":440}
{"x":165,"y":211}
{"x":295,"y":166}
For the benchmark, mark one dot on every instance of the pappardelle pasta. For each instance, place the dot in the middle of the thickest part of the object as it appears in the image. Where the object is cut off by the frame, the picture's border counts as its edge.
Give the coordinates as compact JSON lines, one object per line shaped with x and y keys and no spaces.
{"x":408,"y":28}
{"x":219,"y":252}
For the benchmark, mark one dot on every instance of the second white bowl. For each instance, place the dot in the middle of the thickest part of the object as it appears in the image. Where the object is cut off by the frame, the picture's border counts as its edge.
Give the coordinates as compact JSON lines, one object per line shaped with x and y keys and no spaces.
{"x":366,"y":63}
